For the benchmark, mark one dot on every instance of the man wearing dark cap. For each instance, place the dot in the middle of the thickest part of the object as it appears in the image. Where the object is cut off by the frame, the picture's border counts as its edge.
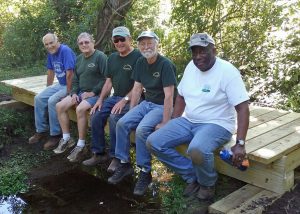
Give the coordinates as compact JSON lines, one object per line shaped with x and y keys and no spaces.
{"x":156,"y":74}
{"x":209,"y":93}
{"x":120,"y":66}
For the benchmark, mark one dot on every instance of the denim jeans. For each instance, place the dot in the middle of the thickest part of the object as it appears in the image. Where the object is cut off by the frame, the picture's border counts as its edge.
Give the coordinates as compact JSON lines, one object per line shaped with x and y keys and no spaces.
{"x":143,"y":117}
{"x":44,"y":109}
{"x":204,"y":138}
{"x":98,"y":122}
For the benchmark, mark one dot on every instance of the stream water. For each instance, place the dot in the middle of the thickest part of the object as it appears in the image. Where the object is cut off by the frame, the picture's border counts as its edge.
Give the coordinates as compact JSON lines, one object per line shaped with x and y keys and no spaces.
{"x":80,"y":190}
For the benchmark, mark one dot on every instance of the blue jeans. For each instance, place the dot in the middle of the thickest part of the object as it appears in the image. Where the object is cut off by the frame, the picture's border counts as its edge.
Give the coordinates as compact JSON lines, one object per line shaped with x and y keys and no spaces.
{"x":204,"y":138}
{"x":143,"y":117}
{"x":98,"y":122}
{"x":44,"y":109}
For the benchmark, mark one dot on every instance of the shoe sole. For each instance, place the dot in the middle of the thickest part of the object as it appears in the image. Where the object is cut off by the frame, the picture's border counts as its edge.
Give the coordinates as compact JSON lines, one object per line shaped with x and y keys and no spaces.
{"x":129,"y":172}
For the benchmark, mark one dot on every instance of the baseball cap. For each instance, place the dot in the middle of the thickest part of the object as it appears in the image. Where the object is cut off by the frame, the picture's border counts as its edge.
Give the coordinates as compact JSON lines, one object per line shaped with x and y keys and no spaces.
{"x":120,"y":31}
{"x":149,"y":34}
{"x":201,"y":39}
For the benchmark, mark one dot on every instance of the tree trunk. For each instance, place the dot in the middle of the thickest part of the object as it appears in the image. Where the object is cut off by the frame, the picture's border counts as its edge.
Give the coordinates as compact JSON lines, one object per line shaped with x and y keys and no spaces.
{"x":113,"y":12}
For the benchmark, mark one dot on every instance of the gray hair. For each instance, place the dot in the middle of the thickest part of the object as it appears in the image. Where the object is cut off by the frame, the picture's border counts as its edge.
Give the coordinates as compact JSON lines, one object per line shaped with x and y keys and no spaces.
{"x":86,"y":35}
{"x":55,"y":39}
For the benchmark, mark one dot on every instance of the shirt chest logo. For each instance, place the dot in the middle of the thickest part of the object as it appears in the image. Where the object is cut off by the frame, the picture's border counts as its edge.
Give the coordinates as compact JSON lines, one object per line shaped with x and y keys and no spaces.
{"x":206,"y":88}
{"x":127,"y":67}
{"x":91,"y":65}
{"x":156,"y":74}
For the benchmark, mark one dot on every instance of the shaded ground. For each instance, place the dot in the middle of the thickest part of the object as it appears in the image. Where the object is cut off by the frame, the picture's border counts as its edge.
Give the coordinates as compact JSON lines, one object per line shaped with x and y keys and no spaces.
{"x":59,"y":187}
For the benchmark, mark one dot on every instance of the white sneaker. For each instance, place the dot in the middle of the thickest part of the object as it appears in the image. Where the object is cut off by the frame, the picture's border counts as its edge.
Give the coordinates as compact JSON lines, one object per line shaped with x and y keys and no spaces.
{"x":76,"y":154}
{"x":63,"y":145}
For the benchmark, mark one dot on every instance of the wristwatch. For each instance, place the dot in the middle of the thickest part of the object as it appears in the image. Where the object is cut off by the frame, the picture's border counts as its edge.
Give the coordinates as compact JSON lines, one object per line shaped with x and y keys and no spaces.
{"x":126,"y":98}
{"x":240,"y":142}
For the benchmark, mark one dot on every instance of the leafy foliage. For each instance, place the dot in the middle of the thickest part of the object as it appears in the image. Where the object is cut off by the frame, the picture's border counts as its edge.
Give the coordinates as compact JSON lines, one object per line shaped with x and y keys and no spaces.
{"x":11,"y":125}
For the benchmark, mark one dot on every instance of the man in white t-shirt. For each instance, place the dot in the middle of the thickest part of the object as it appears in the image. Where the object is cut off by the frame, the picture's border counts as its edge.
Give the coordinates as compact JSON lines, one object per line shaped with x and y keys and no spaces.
{"x":209,"y":93}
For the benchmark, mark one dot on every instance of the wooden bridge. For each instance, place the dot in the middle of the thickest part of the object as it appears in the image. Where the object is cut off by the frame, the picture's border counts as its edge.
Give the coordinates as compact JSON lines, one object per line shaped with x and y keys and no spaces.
{"x":272,"y":145}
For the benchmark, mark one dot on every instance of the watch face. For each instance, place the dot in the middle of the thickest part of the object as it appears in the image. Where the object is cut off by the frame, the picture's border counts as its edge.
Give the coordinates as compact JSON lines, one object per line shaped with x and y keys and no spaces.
{"x":241,"y":142}
{"x":126,"y":98}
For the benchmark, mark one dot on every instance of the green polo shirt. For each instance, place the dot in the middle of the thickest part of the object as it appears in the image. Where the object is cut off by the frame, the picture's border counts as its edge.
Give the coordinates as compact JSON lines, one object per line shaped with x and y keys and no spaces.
{"x":89,"y":73}
{"x":154,"y":77}
{"x":120,"y":69}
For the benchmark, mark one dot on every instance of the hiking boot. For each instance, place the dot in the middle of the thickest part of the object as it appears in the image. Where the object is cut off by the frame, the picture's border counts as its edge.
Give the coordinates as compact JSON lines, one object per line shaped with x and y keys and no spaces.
{"x":121,"y":172}
{"x":191,"y":189}
{"x":52,"y":142}
{"x":64,"y":145}
{"x":76,"y":154}
{"x":206,"y":193}
{"x":113,"y":165}
{"x":142,"y":183}
{"x":96,"y":159}
{"x":37,"y":137}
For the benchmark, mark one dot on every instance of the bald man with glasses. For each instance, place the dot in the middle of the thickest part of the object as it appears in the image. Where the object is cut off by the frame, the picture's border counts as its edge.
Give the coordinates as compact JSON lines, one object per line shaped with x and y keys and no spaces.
{"x":60,"y":63}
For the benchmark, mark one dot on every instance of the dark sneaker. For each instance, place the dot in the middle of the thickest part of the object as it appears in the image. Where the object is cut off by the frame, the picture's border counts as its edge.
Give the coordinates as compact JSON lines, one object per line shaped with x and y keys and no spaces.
{"x":206,"y":193}
{"x":191,"y":189}
{"x":121,"y":172}
{"x":37,"y":137}
{"x":142,"y":184}
{"x":96,"y":159}
{"x":52,"y":142}
{"x":63,"y":145}
{"x":76,"y":154}
{"x":113,"y":165}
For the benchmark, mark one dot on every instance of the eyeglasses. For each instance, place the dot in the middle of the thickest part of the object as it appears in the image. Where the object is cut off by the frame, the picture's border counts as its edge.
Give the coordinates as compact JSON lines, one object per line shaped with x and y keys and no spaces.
{"x":120,"y":39}
{"x":84,"y":42}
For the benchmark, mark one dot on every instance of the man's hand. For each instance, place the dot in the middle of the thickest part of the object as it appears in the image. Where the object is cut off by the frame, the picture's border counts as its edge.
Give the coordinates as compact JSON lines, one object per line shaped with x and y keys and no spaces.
{"x":117,"y":109}
{"x":238,"y":154}
{"x":96,"y":107}
{"x":75,"y":99}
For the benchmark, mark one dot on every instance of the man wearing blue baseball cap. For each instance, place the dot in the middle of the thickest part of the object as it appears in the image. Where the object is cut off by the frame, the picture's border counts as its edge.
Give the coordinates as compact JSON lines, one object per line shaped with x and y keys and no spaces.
{"x":156,"y":74}
{"x":209,"y":93}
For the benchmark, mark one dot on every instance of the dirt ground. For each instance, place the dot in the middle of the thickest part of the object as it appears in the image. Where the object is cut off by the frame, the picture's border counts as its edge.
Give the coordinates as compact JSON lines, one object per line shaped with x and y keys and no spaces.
{"x":288,"y":203}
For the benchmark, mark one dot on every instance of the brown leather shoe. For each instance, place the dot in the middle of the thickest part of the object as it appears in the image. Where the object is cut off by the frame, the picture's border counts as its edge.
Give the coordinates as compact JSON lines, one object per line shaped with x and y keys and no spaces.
{"x":37,"y":137}
{"x":52,"y":142}
{"x":95,"y":159}
{"x":113,"y":165}
{"x":191,"y":189}
{"x":206,"y":193}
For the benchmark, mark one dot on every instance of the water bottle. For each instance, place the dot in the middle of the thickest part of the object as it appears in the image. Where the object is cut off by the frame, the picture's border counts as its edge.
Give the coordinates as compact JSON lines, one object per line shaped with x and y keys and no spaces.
{"x":226,"y":155}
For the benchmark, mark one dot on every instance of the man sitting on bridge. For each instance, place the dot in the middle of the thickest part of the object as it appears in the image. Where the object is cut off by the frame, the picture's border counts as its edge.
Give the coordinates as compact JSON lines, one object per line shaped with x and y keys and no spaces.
{"x":210,"y":92}
{"x":60,"y":63}
{"x":87,"y":83}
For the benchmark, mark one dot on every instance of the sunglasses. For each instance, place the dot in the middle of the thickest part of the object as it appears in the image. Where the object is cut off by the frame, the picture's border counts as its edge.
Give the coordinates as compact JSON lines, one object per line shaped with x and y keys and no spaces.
{"x":84,"y":42}
{"x":120,"y":39}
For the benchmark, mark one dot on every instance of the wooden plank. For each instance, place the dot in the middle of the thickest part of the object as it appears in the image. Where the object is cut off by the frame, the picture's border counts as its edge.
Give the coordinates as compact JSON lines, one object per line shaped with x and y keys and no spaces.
{"x":288,"y":162}
{"x":23,"y":96}
{"x":270,"y":125}
{"x":234,"y":199}
{"x":277,"y":149}
{"x":256,"y":204}
{"x":272,"y":136}
{"x":273,"y":177}
{"x":258,"y":110}
{"x":257,"y":120}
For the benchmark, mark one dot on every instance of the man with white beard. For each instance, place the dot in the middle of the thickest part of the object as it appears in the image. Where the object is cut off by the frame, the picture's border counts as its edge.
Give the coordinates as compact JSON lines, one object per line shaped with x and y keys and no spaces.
{"x":157,"y":76}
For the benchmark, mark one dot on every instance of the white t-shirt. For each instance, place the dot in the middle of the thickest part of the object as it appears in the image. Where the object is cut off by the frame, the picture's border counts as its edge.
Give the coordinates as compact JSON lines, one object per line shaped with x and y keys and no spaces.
{"x":210,"y":96}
